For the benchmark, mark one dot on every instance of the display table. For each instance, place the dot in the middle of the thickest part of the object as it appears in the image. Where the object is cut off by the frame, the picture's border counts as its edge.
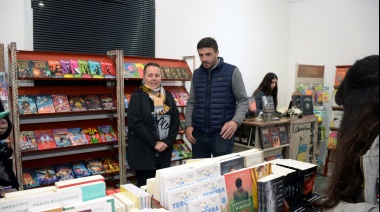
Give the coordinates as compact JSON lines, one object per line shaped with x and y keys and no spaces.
{"x":302,"y":135}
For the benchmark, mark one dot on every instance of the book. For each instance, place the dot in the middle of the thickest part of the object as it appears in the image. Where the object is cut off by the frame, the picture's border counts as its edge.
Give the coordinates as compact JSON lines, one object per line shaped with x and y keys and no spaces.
{"x":90,"y":190}
{"x":24,"y":69}
{"x":274,"y":136}
{"x":184,"y":97}
{"x":64,"y":172}
{"x":28,"y":141}
{"x":27,"y":105}
{"x":180,"y":101}
{"x":61,"y":103}
{"x":273,"y":157}
{"x":95,"y":69}
{"x":252,"y":157}
{"x":92,"y":135}
{"x":107,"y":134}
{"x":107,"y":102}
{"x":95,"y":166}
{"x":108,"y":69}
{"x":110,"y":165}
{"x":333,"y":140}
{"x":265,"y":138}
{"x":45,"y":104}
{"x":51,"y":209}
{"x":55,"y":68}
{"x":186,"y":73}
{"x":105,"y":204}
{"x":182,"y":152}
{"x":46,"y":175}
{"x":336,"y":118}
{"x":271,"y":193}
{"x":268,"y":100}
{"x":125,"y":200}
{"x":75,"y":70}
{"x":77,"y":136}
{"x":174,"y":73}
{"x":289,"y":183}
{"x":284,"y":139}
{"x":178,"y":199}
{"x":140,"y":69}
{"x":130,"y":71}
{"x":61,"y":137}
{"x":252,"y":109}
{"x":168,"y":73}
{"x":66,"y":69}
{"x":340,"y":74}
{"x":58,"y":198}
{"x":84,"y":68}
{"x":176,"y":100}
{"x":231,"y":165}
{"x":215,"y":186}
{"x":127,"y":99}
{"x":179,"y":72}
{"x":307,"y":105}
{"x":239,"y":191}
{"x":258,"y":172}
{"x":77,"y":103}
{"x":162,"y":73}
{"x":92,"y":102}
{"x":45,"y":139}
{"x":41,"y":69}
{"x":80,"y":169}
{"x":78,"y":181}
{"x":245,"y":133}
{"x":29,"y":178}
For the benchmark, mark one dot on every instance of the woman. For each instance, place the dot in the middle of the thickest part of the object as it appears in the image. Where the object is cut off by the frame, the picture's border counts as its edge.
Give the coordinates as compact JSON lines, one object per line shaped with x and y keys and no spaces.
{"x":153,"y":123}
{"x":268,"y":87}
{"x":354,"y":182}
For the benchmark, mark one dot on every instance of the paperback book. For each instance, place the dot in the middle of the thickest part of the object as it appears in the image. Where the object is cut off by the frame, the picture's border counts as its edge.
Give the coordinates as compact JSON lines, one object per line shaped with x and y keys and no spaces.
{"x":27,"y":105}
{"x":41,"y":69}
{"x":186,"y":74}
{"x":75,"y":70}
{"x":168,"y":73}
{"x":284,"y":139}
{"x":28,"y":141}
{"x":45,"y":139}
{"x":84,"y":68}
{"x":29,"y":178}
{"x":61,"y":103}
{"x":110,"y":165}
{"x":64,"y":172}
{"x":107,"y":134}
{"x":66,"y":69}
{"x":231,"y":165}
{"x":274,"y":136}
{"x":80,"y":169}
{"x":140,"y":69}
{"x":130,"y":71}
{"x":77,"y":103}
{"x":108,"y":69}
{"x":107,"y":102}
{"x":92,"y":135}
{"x":92,"y":102}
{"x":45,"y":104}
{"x":252,"y":110}
{"x":239,"y":191}
{"x":95,"y":166}
{"x":95,"y":69}
{"x":271,"y":193}
{"x":265,"y":138}
{"x":24,"y":69}
{"x":61,"y":137}
{"x":258,"y":172}
{"x":77,"y":136}
{"x":216,"y":186}
{"x":55,"y":68}
{"x":46,"y":175}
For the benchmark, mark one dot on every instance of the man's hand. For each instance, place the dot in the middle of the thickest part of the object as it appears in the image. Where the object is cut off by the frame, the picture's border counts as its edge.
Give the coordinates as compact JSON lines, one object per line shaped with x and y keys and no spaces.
{"x":161,"y":146}
{"x":229,"y":129}
{"x":189,"y":135}
{"x":3,"y":126}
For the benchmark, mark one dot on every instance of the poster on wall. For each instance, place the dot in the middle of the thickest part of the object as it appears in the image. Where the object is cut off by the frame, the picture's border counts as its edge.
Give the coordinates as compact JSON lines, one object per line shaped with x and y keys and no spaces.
{"x":302,"y":144}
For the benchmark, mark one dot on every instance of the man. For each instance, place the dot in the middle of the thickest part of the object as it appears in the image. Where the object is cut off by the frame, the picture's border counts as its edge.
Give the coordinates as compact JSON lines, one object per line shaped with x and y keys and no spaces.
{"x":217,"y":103}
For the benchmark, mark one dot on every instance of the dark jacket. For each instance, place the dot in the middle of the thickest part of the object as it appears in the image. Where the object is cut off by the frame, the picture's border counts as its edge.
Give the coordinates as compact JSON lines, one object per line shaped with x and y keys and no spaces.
{"x":215,"y":103}
{"x":141,"y":137}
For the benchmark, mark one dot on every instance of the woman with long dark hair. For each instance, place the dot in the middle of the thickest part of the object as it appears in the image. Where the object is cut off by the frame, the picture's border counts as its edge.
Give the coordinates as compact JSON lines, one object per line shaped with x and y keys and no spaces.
{"x":354,"y":182}
{"x":268,"y":87}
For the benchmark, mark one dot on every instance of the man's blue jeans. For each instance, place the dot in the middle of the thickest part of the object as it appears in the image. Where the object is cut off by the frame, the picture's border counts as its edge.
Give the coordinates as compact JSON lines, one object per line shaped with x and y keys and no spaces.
{"x":211,"y":144}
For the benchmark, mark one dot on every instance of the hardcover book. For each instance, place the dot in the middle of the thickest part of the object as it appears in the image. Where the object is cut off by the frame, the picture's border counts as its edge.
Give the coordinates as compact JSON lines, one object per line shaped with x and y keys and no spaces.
{"x":46,"y":175}
{"x":107,"y":102}
{"x":107,"y":134}
{"x":27,"y":105}
{"x":110,"y":165}
{"x":45,"y":139}
{"x":130,"y":71}
{"x":28,"y":141}
{"x":84,"y":68}
{"x":307,"y":106}
{"x":95,"y":69}
{"x":66,"y":69}
{"x":108,"y":69}
{"x":45,"y":104}
{"x":80,"y":169}
{"x":274,"y":136}
{"x":24,"y":69}
{"x":77,"y":103}
{"x":92,"y":102}
{"x":61,"y":103}
{"x":55,"y":68}
{"x":75,"y":70}
{"x":92,"y":135}
{"x":265,"y":138}
{"x":29,"y":178}
{"x":284,"y":139}
{"x":77,"y":136}
{"x":95,"y":166}
{"x":239,"y":191}
{"x":64,"y":172}
{"x":41,"y":69}
{"x":61,"y":137}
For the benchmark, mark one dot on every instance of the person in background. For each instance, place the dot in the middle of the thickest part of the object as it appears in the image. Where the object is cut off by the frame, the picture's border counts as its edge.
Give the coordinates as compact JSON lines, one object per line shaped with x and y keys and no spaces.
{"x":153,"y":122}
{"x":268,"y":87}
{"x":354,"y":182}
{"x":217,"y":104}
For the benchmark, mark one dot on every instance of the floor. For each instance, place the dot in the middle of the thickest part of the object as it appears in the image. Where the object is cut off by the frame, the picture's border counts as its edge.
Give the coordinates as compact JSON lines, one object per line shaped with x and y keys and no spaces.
{"x":321,"y":183}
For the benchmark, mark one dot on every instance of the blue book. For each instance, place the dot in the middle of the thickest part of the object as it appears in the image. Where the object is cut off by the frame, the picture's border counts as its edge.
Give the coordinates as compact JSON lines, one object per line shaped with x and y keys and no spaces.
{"x":80,"y":169}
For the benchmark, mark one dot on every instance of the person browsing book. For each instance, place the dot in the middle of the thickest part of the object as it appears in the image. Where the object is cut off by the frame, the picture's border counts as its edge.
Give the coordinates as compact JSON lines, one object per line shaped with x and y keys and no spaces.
{"x":354,"y":184}
{"x":217,"y":104}
{"x":268,"y":87}
{"x":153,"y":122}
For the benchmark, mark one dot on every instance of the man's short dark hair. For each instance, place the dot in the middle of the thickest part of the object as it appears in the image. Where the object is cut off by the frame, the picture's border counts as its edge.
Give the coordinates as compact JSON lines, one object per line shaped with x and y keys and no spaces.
{"x":239,"y":183}
{"x":208,"y":43}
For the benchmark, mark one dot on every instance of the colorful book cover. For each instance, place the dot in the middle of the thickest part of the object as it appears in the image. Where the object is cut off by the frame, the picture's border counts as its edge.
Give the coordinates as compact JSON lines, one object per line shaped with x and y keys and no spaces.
{"x":307,"y":105}
{"x":231,"y":165}
{"x":184,"y":97}
{"x":29,"y":178}
{"x":45,"y":139}
{"x":110,"y":165}
{"x":108,"y":69}
{"x":177,"y":103}
{"x":92,"y":135}
{"x":274,"y":136}
{"x":340,"y":74}
{"x":284,"y":139}
{"x":126,"y":101}
{"x":64,"y":172}
{"x":179,"y":72}
{"x":107,"y":102}
{"x":140,"y":69}
{"x":77,"y":103}
{"x":46,"y":175}
{"x":163,"y":73}
{"x":258,"y":172}
{"x":66,"y":69}
{"x":325,"y":96}
{"x":95,"y":69}
{"x":45,"y":104}
{"x":77,"y":136}
{"x":130,"y":71}
{"x":27,"y":105}
{"x":84,"y":68}
{"x":61,"y":137}
{"x":181,"y":152}
{"x":28,"y":141}
{"x":168,"y":73}
{"x":239,"y":191}
{"x":186,"y":74}
{"x":181,"y":103}
{"x":174,"y":73}
{"x":252,"y":110}
{"x":336,"y":118}
{"x":75,"y":70}
{"x":92,"y":102}
{"x":55,"y":68}
{"x":95,"y":166}
{"x":80,"y":169}
{"x":61,"y":103}
{"x":107,"y":134}
{"x":265,"y":138}
{"x":24,"y":69}
{"x":41,"y":69}
{"x":333,"y":140}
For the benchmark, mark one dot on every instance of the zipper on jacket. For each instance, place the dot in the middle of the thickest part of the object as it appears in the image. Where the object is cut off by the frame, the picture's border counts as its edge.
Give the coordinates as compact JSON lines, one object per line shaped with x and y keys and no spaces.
{"x":362,"y":169}
{"x":207,"y":106}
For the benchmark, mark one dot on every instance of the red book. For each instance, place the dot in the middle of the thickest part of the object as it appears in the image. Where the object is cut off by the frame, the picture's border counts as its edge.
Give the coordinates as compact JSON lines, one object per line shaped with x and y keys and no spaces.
{"x":92,"y":135}
{"x":181,"y":103}
{"x":45,"y":139}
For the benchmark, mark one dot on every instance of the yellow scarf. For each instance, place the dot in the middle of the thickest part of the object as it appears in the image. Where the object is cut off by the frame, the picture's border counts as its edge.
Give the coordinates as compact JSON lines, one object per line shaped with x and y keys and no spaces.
{"x":158,"y":97}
